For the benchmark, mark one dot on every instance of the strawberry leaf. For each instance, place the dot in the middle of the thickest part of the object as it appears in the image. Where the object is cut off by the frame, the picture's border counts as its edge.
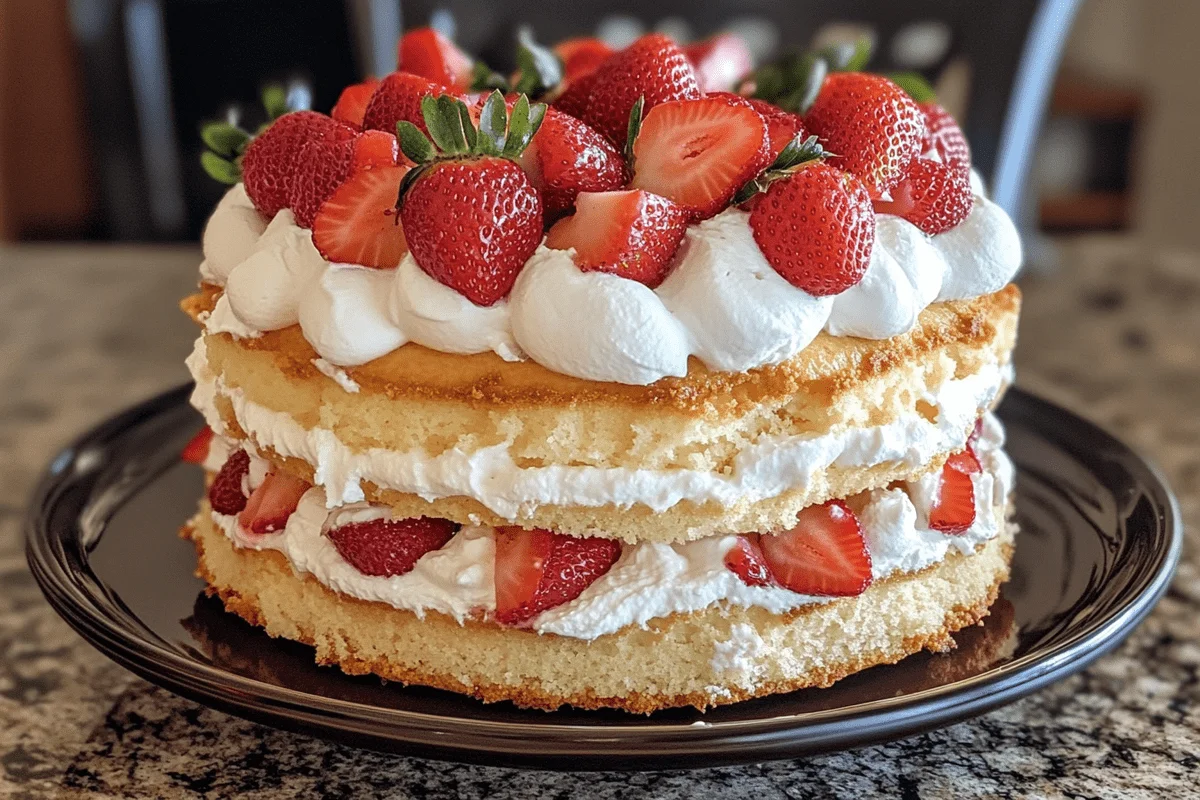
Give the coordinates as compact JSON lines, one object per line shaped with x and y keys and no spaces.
{"x":224,"y":139}
{"x":220,"y":169}
{"x":915,"y":85}
{"x":484,"y":77}
{"x":493,"y":125}
{"x":633,"y":129}
{"x":847,"y":56}
{"x":523,"y":123}
{"x":274,"y":100}
{"x":539,"y":68}
{"x":797,"y":153}
{"x":414,"y":143}
{"x":444,"y":123}
{"x":468,"y":127}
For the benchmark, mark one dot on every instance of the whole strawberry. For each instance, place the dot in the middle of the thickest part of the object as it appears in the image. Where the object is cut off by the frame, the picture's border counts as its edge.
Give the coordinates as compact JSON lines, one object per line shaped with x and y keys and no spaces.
{"x":566,"y":158}
{"x":398,"y":97}
{"x":470,"y":214}
{"x":653,"y":67}
{"x":272,"y":159}
{"x":816,"y":227}
{"x":944,"y":137}
{"x":871,"y":124}
{"x":935,"y":196}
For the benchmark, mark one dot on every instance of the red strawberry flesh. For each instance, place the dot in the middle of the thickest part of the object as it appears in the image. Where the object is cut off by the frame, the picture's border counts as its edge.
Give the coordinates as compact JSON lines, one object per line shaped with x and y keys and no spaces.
{"x":269,"y":506}
{"x":746,"y":560}
{"x":537,"y":570}
{"x":824,"y":555}
{"x":933,"y":196}
{"x":352,"y":103}
{"x":388,"y":547}
{"x":427,"y":53}
{"x":953,"y":511}
{"x":398,"y":97}
{"x":196,"y":450}
{"x":567,"y":157}
{"x":358,"y":223}
{"x":225,"y":495}
{"x":270,"y":163}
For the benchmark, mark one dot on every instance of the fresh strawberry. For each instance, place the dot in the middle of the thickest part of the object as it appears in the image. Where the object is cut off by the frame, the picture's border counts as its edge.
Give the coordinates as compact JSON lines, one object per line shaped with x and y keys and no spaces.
{"x":574,"y":98}
{"x":398,"y":97}
{"x":225,"y":495}
{"x":824,"y":555}
{"x":719,"y":61}
{"x":358,"y":223}
{"x":270,"y":164}
{"x":470,"y":213}
{"x":699,"y":153}
{"x":566,"y":158}
{"x":976,"y":432}
{"x":954,"y":509}
{"x":871,"y":124}
{"x":746,"y":559}
{"x":271,"y":504}
{"x":581,"y":56}
{"x":782,"y":126}
{"x":390,"y":546}
{"x":934,"y":196}
{"x":537,"y":570}
{"x":196,"y":450}
{"x":816,"y":228}
{"x":652,"y":67}
{"x":427,"y":53}
{"x":375,"y":149}
{"x":944,"y":137}
{"x":352,"y":103}
{"x":321,"y":168}
{"x":630,"y":233}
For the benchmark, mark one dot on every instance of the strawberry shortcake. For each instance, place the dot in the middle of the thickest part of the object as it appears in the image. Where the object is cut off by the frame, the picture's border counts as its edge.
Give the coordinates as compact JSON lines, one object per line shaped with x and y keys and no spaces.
{"x":632,"y":380}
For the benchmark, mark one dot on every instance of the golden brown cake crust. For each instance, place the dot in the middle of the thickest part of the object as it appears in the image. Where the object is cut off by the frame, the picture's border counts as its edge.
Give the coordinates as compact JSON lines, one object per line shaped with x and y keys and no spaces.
{"x":639,"y":670}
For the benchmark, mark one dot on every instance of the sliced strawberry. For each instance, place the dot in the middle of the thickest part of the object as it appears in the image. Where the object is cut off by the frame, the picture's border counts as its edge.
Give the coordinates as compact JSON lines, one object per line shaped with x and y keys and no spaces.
{"x":574,"y":98}
{"x":398,"y":97}
{"x":581,"y":56}
{"x":270,"y":164}
{"x":567,"y":157}
{"x":782,"y":126}
{"x":196,"y":450}
{"x":933,"y":196}
{"x":698,"y":153}
{"x":746,"y":559}
{"x":944,"y":137}
{"x":271,"y":504}
{"x":976,"y":432}
{"x":654,"y":68}
{"x":816,"y":228}
{"x":425,"y":52}
{"x":965,"y":461}
{"x":390,"y":546}
{"x":376,"y":149}
{"x":954,"y":509}
{"x":321,"y":168}
{"x":537,"y":570}
{"x":824,"y":555}
{"x":871,"y":124}
{"x":719,"y":61}
{"x":352,"y":103}
{"x":225,"y":495}
{"x":358,"y":224}
{"x":631,"y":233}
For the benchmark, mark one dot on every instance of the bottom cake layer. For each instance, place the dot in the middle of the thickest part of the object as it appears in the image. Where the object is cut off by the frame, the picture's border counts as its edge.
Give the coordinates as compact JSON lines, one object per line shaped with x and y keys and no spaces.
{"x":720,"y":655}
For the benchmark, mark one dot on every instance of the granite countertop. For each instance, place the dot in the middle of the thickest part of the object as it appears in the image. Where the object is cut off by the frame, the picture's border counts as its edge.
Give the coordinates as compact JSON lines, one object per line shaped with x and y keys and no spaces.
{"x":85,"y":331}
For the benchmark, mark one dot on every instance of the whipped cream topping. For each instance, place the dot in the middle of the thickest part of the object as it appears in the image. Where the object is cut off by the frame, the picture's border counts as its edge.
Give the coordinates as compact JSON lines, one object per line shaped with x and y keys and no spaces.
{"x":766,"y":468}
{"x":649,"y":580}
{"x":722,"y":302}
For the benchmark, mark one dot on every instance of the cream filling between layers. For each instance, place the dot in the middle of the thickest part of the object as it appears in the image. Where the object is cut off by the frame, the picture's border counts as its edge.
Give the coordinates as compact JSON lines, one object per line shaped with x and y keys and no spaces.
{"x":768,"y":468}
{"x":649,"y":580}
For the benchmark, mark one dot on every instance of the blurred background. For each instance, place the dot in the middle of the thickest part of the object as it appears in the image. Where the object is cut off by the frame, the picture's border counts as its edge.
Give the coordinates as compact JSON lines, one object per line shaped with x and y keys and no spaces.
{"x":1082,"y":114}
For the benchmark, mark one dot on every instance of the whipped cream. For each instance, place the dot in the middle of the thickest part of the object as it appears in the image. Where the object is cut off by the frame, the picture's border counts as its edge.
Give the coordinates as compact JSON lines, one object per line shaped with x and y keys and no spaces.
{"x":649,"y":580}
{"x":722,"y":302}
{"x":766,"y":468}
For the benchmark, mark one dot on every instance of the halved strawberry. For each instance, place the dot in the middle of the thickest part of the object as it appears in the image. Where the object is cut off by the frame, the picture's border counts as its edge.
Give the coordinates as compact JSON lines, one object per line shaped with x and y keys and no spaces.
{"x":581,"y":56}
{"x":196,"y":450}
{"x":631,"y":233}
{"x":954,"y":509}
{"x":567,"y":157}
{"x":390,"y":546}
{"x":537,"y":570}
{"x":824,"y":555}
{"x":398,"y":97}
{"x":933,"y":196}
{"x":654,"y":68}
{"x":425,"y":52}
{"x":352,"y":103}
{"x":574,"y":98}
{"x":782,"y":126}
{"x":746,"y":559}
{"x":375,"y":149}
{"x":871,"y":124}
{"x":321,"y":168}
{"x":271,"y":504}
{"x":719,"y":61}
{"x":225,"y":495}
{"x":944,"y":137}
{"x":699,"y":153}
{"x":359,"y":224}
{"x":270,"y":164}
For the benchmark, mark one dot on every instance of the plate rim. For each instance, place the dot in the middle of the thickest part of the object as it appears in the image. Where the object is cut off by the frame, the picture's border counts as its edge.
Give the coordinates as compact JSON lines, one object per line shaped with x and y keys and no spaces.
{"x":574,"y":746}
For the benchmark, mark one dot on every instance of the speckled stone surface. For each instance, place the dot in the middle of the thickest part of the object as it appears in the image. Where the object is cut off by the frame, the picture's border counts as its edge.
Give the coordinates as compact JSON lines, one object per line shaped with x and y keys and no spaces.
{"x":85,"y":331}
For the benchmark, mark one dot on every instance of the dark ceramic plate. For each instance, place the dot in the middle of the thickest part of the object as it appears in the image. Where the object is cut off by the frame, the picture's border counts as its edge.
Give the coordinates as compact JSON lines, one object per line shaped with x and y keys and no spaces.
{"x":1099,"y":541}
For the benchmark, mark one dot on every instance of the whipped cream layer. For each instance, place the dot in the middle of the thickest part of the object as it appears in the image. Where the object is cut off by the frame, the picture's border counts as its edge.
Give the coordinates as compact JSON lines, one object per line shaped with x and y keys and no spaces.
{"x":649,"y":580}
{"x":722,"y":303}
{"x":767,"y":468}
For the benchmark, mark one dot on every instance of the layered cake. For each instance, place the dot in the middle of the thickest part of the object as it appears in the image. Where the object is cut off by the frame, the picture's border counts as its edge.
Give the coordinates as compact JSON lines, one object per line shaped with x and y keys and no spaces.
{"x":668,"y":386}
